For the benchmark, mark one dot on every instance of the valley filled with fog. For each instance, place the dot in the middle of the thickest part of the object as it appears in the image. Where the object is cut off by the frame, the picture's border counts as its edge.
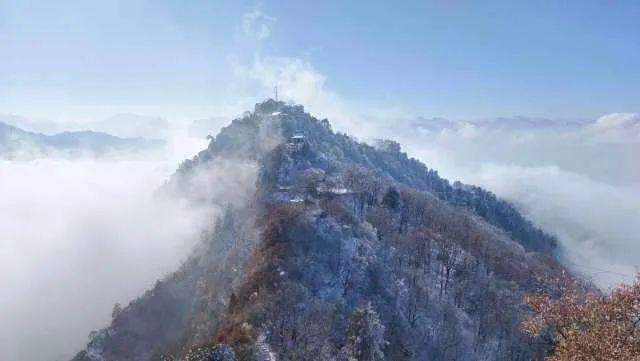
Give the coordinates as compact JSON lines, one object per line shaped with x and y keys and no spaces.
{"x":80,"y":234}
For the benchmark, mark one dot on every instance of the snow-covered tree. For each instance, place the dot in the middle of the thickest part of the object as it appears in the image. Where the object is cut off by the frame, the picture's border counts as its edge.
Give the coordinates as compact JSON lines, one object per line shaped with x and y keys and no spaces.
{"x":220,"y":352}
{"x":365,"y":335}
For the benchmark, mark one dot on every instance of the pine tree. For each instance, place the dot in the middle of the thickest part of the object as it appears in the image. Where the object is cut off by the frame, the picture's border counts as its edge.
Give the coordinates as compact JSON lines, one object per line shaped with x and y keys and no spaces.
{"x":391,"y":199}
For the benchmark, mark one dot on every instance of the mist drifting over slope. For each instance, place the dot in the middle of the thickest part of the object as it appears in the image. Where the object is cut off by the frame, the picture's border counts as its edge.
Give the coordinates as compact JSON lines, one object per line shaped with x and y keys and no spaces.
{"x":579,"y":181}
{"x":78,"y":236}
{"x":578,"y":178}
{"x":81,"y":234}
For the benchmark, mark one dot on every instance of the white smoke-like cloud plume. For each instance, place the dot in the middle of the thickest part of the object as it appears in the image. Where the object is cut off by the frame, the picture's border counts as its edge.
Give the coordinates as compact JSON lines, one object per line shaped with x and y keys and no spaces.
{"x":297,"y":82}
{"x":256,"y":24}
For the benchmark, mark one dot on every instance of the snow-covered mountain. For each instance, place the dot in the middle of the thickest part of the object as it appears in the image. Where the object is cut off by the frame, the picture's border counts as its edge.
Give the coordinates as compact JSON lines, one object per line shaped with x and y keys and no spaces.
{"x":340,"y":251}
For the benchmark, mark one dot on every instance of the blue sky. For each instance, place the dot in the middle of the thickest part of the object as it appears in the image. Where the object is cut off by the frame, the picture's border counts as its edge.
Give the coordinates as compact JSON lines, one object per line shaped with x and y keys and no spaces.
{"x":457,"y":59}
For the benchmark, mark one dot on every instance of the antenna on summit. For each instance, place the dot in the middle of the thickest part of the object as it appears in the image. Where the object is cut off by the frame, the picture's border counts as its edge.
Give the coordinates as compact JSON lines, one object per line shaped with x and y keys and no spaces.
{"x":276,"y":92}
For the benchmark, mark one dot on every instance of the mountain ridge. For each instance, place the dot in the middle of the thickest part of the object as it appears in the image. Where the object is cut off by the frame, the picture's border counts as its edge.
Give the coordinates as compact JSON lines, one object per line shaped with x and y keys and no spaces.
{"x":344,"y":234}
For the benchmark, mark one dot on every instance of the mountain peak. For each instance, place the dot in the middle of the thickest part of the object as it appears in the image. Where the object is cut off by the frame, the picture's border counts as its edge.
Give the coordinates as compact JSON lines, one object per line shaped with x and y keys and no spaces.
{"x":334,"y":241}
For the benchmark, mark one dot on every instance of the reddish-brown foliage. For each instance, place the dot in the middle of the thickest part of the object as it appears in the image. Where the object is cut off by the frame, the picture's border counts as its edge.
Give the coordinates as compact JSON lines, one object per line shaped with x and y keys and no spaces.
{"x":588,"y":327}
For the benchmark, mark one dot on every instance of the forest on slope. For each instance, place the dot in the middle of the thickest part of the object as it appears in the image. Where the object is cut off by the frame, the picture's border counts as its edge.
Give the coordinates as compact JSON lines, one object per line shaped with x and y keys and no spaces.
{"x":343,"y":250}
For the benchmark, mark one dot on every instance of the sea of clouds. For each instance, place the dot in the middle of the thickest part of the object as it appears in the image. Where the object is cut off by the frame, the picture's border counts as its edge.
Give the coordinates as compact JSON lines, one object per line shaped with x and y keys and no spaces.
{"x":79,"y":234}
{"x":579,"y":181}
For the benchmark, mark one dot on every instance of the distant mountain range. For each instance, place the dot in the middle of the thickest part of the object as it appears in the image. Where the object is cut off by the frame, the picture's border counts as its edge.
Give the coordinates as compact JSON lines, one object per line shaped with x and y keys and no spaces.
{"x":17,"y":143}
{"x":515,"y":123}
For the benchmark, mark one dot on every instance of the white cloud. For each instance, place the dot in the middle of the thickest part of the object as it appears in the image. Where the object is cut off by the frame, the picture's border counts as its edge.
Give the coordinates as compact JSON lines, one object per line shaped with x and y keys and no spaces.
{"x":584,"y":191}
{"x":256,"y":24}
{"x":133,"y":125}
{"x":78,"y":235}
{"x":616,"y":128}
{"x":299,"y":82}
{"x":595,"y":222}
{"x":617,"y":120}
{"x":469,"y":131}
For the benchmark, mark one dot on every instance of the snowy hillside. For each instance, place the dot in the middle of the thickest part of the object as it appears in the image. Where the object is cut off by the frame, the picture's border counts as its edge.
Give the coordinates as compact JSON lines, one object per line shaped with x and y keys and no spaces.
{"x":339,"y":251}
